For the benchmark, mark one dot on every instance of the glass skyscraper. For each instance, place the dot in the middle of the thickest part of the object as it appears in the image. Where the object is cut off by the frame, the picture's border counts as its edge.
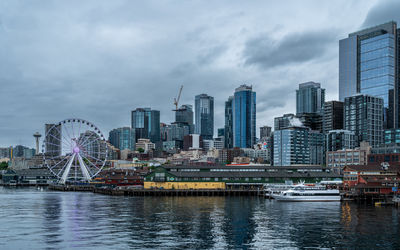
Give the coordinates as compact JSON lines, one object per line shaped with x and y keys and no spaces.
{"x":367,"y":65}
{"x":228,"y":123}
{"x":244,"y":117}
{"x":146,"y":123}
{"x":122,"y":138}
{"x":204,"y":116}
{"x":298,"y":145}
{"x":310,"y":98}
{"x":53,"y":136}
{"x":184,"y":117}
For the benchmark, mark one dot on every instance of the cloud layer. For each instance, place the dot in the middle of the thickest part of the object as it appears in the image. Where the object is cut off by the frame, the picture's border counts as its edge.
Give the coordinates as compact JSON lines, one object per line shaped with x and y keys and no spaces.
{"x":98,"y":60}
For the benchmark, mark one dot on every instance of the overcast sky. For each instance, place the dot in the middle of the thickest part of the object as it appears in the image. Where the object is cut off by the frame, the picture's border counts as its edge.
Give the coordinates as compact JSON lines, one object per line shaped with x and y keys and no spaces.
{"x":98,"y":60}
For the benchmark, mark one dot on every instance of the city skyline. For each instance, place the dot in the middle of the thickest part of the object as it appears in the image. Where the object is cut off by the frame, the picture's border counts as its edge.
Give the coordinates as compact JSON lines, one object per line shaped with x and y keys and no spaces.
{"x":83,"y":83}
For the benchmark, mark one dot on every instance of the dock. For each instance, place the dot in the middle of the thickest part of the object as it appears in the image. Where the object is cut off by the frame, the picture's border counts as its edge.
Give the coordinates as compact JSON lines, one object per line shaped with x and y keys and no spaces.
{"x":158,"y":192}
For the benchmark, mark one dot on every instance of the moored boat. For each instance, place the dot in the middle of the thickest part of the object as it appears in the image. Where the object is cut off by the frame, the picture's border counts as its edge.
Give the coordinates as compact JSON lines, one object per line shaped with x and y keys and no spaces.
{"x":307,"y":193}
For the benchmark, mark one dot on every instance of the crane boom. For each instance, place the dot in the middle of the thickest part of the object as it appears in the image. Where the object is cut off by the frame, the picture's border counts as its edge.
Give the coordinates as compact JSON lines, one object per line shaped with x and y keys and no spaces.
{"x":176,"y":100}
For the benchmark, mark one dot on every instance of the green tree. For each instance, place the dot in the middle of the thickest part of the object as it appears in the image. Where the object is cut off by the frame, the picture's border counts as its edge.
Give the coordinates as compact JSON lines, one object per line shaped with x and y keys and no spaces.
{"x":3,"y":165}
{"x":140,"y":150}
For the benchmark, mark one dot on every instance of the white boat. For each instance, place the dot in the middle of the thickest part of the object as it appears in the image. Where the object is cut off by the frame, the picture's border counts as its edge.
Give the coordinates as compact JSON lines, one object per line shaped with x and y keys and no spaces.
{"x":307,"y":193}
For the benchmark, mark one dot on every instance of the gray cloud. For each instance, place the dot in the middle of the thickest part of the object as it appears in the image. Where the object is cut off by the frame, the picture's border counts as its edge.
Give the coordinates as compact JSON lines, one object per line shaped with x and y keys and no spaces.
{"x":384,"y":11}
{"x":98,"y":60}
{"x":267,"y":52}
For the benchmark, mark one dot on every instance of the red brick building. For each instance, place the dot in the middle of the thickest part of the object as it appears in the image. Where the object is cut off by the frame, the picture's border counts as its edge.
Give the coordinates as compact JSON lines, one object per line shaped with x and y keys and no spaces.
{"x":371,"y":179}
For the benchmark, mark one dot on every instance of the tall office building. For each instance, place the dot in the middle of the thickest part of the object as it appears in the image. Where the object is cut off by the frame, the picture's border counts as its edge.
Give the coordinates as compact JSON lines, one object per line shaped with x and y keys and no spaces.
{"x":340,"y":140}
{"x":228,"y":123}
{"x":332,"y":116}
{"x":146,"y":123}
{"x":22,"y":151}
{"x":363,"y":115}
{"x":204,"y":116}
{"x":298,"y":145}
{"x":53,"y":139}
{"x":309,"y":98}
{"x":244,"y":117}
{"x":265,"y":132}
{"x":368,"y":64}
{"x":122,"y":138}
{"x":184,"y":117}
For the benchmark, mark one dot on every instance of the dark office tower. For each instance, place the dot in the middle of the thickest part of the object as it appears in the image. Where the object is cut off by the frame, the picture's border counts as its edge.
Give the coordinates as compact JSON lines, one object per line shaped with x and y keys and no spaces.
{"x":146,"y":123}
{"x":265,"y":132}
{"x":363,"y":115}
{"x":204,"y":116}
{"x":229,"y":123}
{"x":122,"y":138}
{"x":309,"y":98}
{"x":284,"y":121}
{"x":368,"y":64}
{"x":184,"y":117}
{"x":221,"y":132}
{"x":244,"y":117}
{"x":332,"y":116}
{"x":53,"y":135}
{"x":340,"y":140}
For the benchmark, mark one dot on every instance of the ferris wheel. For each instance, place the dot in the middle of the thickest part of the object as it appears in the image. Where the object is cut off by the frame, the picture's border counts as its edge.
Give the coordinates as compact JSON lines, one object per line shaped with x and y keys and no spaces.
{"x":74,"y":150}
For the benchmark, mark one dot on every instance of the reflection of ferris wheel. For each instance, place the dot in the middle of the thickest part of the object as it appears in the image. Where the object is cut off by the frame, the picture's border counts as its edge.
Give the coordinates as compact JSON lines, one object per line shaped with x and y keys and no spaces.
{"x":74,"y":150}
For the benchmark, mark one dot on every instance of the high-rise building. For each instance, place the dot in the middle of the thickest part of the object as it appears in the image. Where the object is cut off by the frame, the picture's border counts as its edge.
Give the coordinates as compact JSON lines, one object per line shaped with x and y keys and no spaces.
{"x":332,"y":118}
{"x":368,"y":64}
{"x":298,"y":145}
{"x":340,"y":140}
{"x":265,"y":132}
{"x":244,"y":117}
{"x":363,"y":115}
{"x":22,"y":151}
{"x":290,"y":146}
{"x":229,"y":123}
{"x":309,"y":98}
{"x":53,"y":139}
{"x":122,"y":138}
{"x":184,"y":117}
{"x":284,"y":121}
{"x":96,"y":147}
{"x":146,"y":123}
{"x":204,"y":116}
{"x":221,"y":132}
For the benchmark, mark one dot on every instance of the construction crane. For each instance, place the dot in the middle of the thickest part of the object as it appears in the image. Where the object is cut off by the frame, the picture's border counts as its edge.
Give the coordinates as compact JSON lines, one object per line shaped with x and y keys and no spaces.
{"x":176,"y":100}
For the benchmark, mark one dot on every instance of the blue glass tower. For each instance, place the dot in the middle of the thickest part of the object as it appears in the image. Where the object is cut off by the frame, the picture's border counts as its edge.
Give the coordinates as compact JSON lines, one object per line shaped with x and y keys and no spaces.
{"x":244,"y":117}
{"x":204,"y":116}
{"x":122,"y":138}
{"x":310,"y":98}
{"x":367,"y":65}
{"x":146,"y":123}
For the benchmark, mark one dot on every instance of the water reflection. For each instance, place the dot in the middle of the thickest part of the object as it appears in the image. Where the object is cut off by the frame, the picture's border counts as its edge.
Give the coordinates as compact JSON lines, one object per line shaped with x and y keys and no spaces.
{"x":51,"y":220}
{"x":35,"y":220}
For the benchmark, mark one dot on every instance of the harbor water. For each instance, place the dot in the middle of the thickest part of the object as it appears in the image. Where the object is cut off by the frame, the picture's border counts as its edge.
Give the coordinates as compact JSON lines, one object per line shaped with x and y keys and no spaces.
{"x":39,"y":219}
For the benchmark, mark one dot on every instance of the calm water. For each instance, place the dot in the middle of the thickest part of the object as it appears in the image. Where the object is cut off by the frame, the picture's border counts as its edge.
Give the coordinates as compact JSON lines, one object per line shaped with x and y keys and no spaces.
{"x":32,"y":219}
